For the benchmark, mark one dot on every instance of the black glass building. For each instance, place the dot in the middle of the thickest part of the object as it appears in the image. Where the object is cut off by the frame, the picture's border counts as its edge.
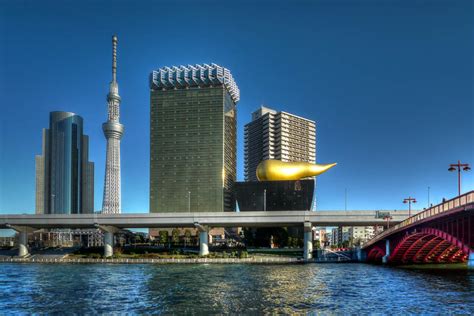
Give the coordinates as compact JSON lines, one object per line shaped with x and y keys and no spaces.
{"x":294,"y":195}
{"x":64,"y":174}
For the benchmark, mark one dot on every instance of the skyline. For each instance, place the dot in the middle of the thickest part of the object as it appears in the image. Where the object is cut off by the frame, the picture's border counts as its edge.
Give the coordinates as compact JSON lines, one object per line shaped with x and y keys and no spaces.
{"x":381,"y":92}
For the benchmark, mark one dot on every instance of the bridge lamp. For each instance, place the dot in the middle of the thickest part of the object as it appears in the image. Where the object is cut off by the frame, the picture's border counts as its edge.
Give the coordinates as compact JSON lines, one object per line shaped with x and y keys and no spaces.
{"x":387,"y":218}
{"x":409,"y":200}
{"x":458,"y":166}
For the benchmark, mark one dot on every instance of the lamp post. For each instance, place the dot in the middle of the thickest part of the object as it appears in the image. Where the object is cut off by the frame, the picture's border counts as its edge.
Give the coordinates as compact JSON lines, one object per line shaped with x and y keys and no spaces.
{"x":52,"y":203}
{"x":409,"y":200}
{"x":428,"y":197}
{"x":264,"y":200}
{"x":189,"y":201}
{"x":458,"y":166}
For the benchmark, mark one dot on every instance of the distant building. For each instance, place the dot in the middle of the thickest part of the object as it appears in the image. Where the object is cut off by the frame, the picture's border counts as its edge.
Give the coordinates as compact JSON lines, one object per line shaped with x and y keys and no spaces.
{"x":361,"y":234}
{"x":321,"y":235}
{"x":343,"y":235}
{"x":193,"y":139}
{"x":277,"y":135}
{"x":64,"y":174}
{"x":333,"y":237}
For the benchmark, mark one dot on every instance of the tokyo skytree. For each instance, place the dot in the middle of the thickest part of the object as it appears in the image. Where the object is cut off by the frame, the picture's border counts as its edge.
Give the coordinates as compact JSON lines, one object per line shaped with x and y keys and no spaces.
{"x":113,"y":132}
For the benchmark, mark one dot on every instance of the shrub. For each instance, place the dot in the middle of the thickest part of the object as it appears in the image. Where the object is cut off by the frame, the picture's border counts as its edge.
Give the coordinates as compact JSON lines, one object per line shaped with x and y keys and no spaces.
{"x":243,"y":254}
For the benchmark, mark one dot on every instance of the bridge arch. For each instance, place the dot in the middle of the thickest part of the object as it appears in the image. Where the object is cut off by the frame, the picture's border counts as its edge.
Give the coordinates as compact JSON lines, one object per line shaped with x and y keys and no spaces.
{"x":375,"y":254}
{"x":429,"y":245}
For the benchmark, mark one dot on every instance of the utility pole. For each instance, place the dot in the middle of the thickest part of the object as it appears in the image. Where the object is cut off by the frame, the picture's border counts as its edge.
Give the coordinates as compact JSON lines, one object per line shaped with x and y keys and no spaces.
{"x":345,"y":199}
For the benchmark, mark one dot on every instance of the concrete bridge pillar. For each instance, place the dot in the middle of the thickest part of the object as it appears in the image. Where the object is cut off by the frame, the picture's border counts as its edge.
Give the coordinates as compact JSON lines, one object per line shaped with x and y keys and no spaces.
{"x":203,"y":239}
{"x":23,"y":244}
{"x":22,"y":238}
{"x":109,"y":232}
{"x":308,"y":241}
{"x":361,"y":255}
{"x":470,"y":260}
{"x":387,"y":251}
{"x":108,"y":244}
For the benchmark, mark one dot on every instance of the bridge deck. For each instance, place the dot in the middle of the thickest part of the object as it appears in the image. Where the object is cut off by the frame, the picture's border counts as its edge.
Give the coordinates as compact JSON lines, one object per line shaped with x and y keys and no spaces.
{"x":186,"y":219}
{"x":465,"y":201}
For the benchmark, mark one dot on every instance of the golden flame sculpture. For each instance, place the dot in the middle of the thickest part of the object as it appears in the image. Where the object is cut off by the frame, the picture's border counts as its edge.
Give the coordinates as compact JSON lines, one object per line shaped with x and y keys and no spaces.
{"x":276,"y":170}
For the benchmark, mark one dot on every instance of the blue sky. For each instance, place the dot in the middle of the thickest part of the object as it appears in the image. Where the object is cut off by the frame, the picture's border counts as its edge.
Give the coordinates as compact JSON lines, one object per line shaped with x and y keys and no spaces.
{"x":389,"y":84}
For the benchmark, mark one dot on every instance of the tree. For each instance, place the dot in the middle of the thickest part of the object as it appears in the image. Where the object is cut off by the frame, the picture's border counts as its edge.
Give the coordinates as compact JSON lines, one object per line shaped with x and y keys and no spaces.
{"x":163,"y":237}
{"x":316,"y":244}
{"x":175,"y":236}
{"x":248,"y":236}
{"x":187,"y":237}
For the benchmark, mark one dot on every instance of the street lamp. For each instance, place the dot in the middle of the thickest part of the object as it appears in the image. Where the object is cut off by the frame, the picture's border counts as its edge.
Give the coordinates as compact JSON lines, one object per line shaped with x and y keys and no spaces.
{"x":264,"y":200}
{"x":189,"y":201}
{"x":52,"y":203}
{"x":458,"y":166}
{"x":387,"y":218}
{"x":409,"y":200}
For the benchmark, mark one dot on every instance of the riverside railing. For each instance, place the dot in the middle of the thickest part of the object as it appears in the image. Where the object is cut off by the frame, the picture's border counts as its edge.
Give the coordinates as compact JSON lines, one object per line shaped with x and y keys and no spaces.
{"x":445,"y":206}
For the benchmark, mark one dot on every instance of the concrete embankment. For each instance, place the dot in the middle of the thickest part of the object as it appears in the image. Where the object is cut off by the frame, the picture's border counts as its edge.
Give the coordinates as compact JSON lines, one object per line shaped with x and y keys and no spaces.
{"x":258,"y":260}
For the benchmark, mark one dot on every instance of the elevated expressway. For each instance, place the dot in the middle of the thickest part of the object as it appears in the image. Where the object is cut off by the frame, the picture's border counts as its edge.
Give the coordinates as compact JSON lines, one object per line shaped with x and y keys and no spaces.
{"x":112,"y":223}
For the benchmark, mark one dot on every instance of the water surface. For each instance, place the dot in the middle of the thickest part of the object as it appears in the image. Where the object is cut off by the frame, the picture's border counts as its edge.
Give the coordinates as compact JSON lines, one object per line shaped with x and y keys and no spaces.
{"x":237,"y":288}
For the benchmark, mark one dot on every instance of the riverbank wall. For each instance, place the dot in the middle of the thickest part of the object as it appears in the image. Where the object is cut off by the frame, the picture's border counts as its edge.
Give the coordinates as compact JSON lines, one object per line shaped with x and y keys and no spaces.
{"x":255,"y":260}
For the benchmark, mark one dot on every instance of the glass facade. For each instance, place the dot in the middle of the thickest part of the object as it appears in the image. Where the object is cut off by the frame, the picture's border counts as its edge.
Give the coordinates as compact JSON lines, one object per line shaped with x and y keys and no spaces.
{"x":291,"y":195}
{"x":193,"y":149}
{"x":64,"y":176}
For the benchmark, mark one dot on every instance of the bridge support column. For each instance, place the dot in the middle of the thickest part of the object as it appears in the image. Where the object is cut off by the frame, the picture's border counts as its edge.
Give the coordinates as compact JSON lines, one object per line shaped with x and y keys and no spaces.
{"x":203,"y":239}
{"x":308,"y":241}
{"x":108,"y":244}
{"x":361,"y":255}
{"x":387,"y":251}
{"x":109,"y":232}
{"x":22,"y":239}
{"x":23,"y":244}
{"x":470,"y":260}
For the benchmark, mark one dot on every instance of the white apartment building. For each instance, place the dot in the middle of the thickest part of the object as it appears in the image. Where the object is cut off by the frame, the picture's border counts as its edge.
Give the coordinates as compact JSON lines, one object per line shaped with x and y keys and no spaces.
{"x":277,"y":135}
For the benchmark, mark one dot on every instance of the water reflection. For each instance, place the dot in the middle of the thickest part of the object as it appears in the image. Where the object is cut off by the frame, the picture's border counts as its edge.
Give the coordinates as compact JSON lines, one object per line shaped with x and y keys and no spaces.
{"x":178,"y":289}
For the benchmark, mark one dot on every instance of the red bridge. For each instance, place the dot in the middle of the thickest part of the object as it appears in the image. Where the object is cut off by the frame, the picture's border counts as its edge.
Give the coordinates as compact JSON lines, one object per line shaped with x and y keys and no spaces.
{"x":441,"y":234}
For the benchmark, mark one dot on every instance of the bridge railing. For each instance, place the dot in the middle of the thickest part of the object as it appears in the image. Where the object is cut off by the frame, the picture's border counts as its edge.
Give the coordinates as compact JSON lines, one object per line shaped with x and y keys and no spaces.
{"x":445,"y":206}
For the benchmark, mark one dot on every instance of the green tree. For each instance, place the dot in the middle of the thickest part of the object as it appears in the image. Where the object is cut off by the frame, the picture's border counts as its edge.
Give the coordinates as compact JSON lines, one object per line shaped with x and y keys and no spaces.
{"x":316,"y":244}
{"x":175,"y":236}
{"x":163,"y":237}
{"x":187,"y":237}
{"x":290,"y":242}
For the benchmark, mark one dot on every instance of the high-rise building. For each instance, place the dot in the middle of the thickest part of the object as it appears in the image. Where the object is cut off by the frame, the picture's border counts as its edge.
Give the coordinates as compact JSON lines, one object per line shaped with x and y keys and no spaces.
{"x":113,"y":131}
{"x":277,"y":135}
{"x":64,"y":174}
{"x":193,"y":139}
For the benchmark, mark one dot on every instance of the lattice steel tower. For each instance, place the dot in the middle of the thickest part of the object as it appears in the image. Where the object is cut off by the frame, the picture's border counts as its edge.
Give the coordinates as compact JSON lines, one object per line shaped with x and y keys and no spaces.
{"x":113,"y":132}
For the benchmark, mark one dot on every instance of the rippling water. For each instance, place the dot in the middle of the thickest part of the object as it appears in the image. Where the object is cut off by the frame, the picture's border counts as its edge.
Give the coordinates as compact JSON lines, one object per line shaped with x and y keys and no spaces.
{"x":178,"y":289}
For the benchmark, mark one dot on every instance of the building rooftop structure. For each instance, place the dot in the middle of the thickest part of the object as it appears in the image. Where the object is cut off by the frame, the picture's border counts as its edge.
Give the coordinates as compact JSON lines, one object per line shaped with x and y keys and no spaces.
{"x":204,"y":75}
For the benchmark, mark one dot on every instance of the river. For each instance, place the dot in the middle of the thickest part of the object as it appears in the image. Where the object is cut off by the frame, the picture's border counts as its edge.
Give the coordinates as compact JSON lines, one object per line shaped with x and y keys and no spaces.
{"x":235,"y":288}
